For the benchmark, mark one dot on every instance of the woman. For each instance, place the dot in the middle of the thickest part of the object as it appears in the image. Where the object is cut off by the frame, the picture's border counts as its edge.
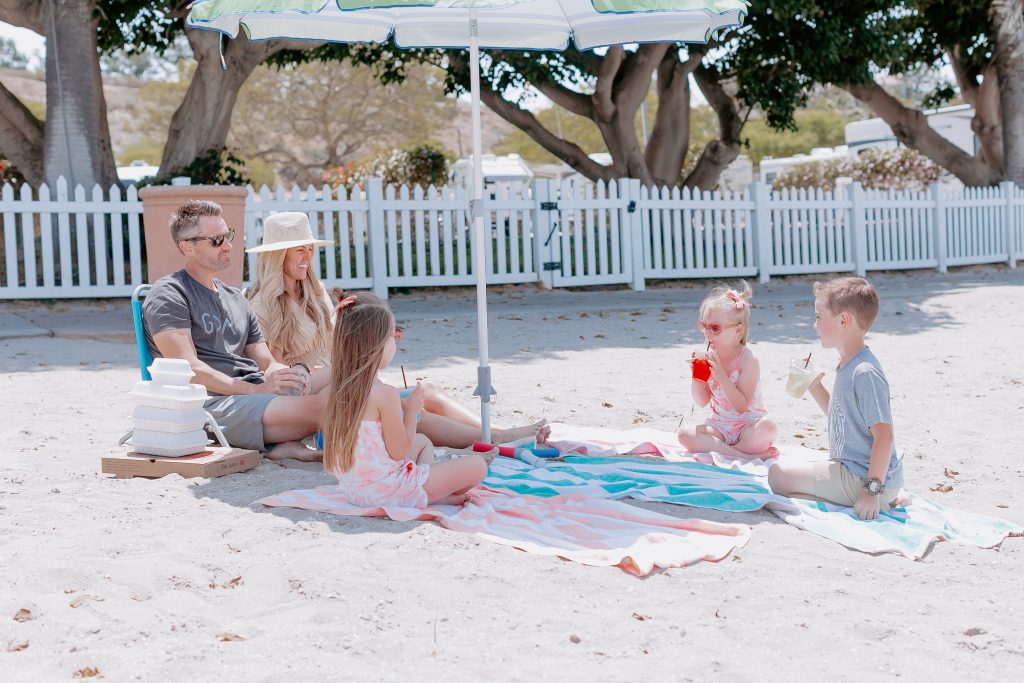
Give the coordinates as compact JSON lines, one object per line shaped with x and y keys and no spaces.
{"x":296,"y":315}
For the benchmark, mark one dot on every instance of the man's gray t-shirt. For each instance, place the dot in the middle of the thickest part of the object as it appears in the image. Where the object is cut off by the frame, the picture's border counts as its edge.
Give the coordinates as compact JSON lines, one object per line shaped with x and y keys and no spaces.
{"x":222,"y":322}
{"x":860,"y":400}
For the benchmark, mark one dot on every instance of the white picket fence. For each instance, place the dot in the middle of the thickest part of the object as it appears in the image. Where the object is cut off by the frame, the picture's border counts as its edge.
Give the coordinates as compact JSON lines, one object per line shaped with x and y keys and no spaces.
{"x":83,"y":244}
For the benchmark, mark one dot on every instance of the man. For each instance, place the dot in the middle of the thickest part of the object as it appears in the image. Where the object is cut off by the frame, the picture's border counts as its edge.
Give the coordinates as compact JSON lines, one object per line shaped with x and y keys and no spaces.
{"x":260,"y":404}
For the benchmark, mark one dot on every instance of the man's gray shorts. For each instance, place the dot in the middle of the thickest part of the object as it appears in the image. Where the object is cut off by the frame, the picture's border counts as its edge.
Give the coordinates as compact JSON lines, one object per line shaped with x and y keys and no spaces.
{"x":241,"y":418}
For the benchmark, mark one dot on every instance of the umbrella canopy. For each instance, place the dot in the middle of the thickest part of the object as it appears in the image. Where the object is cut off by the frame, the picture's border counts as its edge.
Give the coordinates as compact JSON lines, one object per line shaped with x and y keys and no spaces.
{"x":494,"y":24}
{"x":502,"y":24}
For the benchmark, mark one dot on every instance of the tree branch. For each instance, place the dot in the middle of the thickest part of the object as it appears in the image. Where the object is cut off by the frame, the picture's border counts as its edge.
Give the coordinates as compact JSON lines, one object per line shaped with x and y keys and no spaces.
{"x":911,"y":128}
{"x":634,"y":78}
{"x":528,"y":123}
{"x":21,"y":137}
{"x":30,"y":14}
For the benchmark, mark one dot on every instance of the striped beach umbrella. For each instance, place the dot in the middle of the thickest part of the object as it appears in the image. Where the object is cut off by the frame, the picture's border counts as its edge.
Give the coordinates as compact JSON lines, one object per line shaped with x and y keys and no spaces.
{"x":473,"y":24}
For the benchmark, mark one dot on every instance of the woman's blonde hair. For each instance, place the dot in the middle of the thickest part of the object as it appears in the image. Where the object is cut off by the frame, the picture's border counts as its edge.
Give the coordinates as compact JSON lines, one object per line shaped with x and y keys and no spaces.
{"x":735,"y":303}
{"x":360,"y":334}
{"x":281,"y":314}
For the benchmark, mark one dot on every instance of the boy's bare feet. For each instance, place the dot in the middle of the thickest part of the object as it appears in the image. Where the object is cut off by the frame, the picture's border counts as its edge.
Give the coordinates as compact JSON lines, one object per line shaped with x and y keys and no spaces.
{"x":294,"y":450}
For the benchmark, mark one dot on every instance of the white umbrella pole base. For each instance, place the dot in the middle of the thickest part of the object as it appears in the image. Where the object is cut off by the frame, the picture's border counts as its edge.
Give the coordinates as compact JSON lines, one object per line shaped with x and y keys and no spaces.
{"x":484,"y":390}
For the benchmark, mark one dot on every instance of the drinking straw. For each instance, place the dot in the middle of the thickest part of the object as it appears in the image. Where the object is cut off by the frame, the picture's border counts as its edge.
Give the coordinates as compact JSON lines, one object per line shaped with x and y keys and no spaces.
{"x":807,"y":361}
{"x":403,"y":376}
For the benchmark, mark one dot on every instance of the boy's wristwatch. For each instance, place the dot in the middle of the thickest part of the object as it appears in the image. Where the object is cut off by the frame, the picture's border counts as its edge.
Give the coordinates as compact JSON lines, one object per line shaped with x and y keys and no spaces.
{"x":874,"y":487}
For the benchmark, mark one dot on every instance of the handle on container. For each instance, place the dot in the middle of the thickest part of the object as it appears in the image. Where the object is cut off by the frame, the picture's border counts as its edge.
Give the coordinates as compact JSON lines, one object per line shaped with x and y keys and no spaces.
{"x":212,"y":424}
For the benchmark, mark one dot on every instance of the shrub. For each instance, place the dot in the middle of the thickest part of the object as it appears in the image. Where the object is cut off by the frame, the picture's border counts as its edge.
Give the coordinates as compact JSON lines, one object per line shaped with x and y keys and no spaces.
{"x":421,"y":165}
{"x":896,"y":169}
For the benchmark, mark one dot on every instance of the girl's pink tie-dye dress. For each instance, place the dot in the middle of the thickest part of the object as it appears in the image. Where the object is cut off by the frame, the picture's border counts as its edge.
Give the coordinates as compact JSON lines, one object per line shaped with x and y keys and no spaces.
{"x":375,"y":480}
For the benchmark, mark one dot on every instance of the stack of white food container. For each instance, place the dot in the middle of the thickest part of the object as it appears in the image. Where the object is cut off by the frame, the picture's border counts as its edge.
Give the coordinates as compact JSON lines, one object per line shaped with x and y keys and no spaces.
{"x":168,"y":418}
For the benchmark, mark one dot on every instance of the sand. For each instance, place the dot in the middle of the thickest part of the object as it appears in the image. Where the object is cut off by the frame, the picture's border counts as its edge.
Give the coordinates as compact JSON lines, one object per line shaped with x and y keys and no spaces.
{"x":184,"y":579}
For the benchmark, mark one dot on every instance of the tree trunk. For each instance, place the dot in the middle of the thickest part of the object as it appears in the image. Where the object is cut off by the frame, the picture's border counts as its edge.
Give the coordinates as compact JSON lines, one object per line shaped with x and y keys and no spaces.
{"x":911,"y":128}
{"x":732,"y":116}
{"x":670,"y":135}
{"x":21,"y":137}
{"x":983,"y":96}
{"x":203,"y":119}
{"x":77,"y":142}
{"x":1007,"y":19}
{"x":987,"y":123}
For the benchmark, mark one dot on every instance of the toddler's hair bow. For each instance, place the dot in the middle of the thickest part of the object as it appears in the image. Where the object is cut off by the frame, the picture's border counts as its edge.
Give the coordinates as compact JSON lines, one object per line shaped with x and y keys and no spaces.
{"x":733,"y":295}
{"x":344,"y":303}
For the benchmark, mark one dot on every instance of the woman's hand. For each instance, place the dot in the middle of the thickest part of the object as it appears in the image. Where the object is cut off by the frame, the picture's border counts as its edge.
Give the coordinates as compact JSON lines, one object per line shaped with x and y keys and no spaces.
{"x":413,"y":403}
{"x":817,"y":380}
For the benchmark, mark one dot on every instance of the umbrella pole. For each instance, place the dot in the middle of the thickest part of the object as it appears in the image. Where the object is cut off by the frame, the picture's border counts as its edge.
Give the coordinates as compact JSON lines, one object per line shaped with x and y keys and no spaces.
{"x":484,"y":388}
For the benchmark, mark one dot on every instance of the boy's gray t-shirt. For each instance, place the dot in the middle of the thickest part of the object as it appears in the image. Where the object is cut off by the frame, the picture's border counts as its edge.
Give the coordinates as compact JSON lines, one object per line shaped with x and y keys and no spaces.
{"x":860,"y":400}
{"x":222,"y":322}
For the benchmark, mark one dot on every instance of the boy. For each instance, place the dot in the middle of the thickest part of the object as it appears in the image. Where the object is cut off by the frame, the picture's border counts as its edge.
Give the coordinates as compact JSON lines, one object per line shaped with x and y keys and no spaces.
{"x":864,"y":470}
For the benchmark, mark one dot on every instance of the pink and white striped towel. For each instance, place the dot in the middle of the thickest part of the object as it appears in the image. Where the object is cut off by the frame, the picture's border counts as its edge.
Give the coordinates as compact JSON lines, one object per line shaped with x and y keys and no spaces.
{"x":591,"y":531}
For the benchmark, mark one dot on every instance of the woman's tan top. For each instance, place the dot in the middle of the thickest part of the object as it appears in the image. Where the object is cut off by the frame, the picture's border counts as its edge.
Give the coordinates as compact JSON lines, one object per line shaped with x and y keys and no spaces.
{"x":318,"y":352}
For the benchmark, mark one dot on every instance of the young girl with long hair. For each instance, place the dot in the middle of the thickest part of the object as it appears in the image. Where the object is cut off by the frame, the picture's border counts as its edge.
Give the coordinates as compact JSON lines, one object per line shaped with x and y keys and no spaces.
{"x":370,"y":439}
{"x":738,"y":425}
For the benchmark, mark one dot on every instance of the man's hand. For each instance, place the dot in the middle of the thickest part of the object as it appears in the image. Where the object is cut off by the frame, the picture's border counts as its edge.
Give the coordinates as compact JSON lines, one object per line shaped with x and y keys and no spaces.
{"x":867,"y":506}
{"x":286,"y":381}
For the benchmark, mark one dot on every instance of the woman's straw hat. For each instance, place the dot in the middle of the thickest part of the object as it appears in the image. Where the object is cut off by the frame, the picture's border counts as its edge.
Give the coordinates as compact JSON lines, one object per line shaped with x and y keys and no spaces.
{"x":286,"y":230}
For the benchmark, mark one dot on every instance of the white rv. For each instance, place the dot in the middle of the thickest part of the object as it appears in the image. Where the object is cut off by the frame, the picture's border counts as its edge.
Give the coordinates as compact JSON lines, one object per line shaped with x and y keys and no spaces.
{"x":952,"y":123}
{"x":508,"y":170}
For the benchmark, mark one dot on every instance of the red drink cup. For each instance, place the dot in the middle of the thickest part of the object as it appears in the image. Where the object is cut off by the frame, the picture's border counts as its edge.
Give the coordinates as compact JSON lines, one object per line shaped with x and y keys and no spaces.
{"x":701,"y":368}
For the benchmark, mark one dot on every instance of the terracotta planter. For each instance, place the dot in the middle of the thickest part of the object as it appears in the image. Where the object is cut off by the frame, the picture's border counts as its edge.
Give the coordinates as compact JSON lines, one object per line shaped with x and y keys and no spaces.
{"x":160,"y":201}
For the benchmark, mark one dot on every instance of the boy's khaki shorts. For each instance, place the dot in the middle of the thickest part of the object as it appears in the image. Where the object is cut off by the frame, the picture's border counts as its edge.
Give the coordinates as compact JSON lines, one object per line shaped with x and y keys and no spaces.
{"x":835,"y":483}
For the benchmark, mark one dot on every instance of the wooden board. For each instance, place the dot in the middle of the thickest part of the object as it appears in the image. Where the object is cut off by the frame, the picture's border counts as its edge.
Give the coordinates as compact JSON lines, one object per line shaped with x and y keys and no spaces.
{"x":215,"y":462}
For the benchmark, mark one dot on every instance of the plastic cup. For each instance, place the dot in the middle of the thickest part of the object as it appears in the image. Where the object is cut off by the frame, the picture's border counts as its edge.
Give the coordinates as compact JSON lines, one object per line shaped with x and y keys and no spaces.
{"x":700,"y":367}
{"x":800,"y":378}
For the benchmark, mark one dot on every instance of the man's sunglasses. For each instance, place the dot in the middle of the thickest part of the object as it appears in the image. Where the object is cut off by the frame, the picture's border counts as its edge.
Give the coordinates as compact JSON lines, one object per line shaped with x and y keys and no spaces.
{"x":216,"y":240}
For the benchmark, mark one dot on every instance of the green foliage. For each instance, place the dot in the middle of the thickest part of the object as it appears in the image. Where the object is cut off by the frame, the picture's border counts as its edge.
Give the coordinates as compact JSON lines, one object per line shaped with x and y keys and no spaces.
{"x":135,"y":26}
{"x":787,"y":47}
{"x":8,"y":173}
{"x":214,"y":167}
{"x":896,"y":169}
{"x":812,"y":128}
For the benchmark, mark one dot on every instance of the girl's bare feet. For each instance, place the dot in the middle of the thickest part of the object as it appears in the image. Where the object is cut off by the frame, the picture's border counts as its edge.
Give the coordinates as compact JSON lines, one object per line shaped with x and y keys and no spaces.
{"x":454,"y":499}
{"x":294,"y":450}
{"x":516,"y":433}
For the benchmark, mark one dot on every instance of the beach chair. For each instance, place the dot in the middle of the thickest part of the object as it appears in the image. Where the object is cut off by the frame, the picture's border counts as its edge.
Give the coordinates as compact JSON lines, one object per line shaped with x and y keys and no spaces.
{"x":145,"y":357}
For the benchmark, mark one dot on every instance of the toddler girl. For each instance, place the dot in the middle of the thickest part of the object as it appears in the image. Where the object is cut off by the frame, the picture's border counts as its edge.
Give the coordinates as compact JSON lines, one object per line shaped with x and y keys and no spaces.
{"x":737,"y":426}
{"x":370,"y":439}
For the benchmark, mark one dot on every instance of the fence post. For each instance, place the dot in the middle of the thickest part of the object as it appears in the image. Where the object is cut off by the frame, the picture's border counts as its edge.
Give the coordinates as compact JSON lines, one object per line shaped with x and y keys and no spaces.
{"x":939,"y":228}
{"x":1008,"y":187}
{"x":376,"y":234}
{"x":633,"y":245}
{"x":761,"y":195}
{"x":858,"y":226}
{"x":542,"y":232}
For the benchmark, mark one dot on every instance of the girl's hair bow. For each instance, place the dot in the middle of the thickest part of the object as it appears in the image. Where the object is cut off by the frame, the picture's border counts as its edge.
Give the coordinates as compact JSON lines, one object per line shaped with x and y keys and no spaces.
{"x":733,"y":295}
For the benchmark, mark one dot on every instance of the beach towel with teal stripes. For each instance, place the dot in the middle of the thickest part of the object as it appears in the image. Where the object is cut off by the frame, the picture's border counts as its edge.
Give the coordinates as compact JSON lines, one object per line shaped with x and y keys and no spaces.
{"x":909,"y":531}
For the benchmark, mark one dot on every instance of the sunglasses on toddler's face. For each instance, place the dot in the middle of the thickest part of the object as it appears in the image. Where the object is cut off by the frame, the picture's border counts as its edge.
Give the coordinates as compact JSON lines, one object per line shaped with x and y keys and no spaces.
{"x":714,"y":328}
{"x":216,"y":240}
